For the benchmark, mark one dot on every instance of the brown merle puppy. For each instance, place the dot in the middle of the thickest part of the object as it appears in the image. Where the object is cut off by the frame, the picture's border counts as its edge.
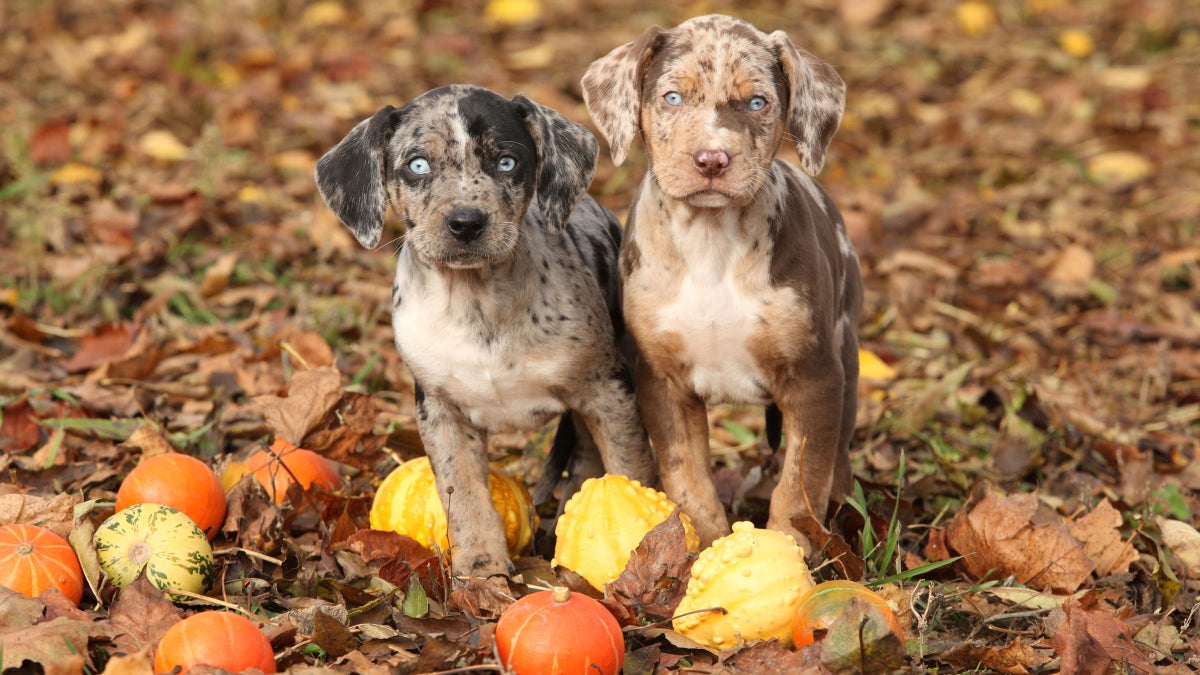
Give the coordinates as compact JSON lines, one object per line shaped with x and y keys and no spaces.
{"x":504,"y":303}
{"x":739,"y":281}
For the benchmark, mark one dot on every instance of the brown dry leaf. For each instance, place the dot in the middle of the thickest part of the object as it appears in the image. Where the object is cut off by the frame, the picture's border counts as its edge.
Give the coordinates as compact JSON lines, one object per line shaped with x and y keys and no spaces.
{"x":863,"y":12}
{"x":140,"y":616}
{"x":216,"y":276}
{"x":149,"y":440}
{"x":1099,"y":532}
{"x":133,"y":664}
{"x":655,"y":578}
{"x":57,"y":646}
{"x":18,"y":611}
{"x":771,"y":657}
{"x":861,"y":639}
{"x":1090,"y":641}
{"x":998,"y":538}
{"x":104,"y":343}
{"x":1017,"y":658}
{"x":332,"y":635}
{"x":1184,"y":542}
{"x":484,"y":598}
{"x":311,"y":395}
{"x":1075,"y":265}
{"x":56,"y":513}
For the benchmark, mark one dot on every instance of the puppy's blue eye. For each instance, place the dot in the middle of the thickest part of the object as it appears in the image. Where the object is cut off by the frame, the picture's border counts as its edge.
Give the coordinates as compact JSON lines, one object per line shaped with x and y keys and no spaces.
{"x":673,"y":98}
{"x":756,"y":103}
{"x":506,"y":164}
{"x":419,"y":166}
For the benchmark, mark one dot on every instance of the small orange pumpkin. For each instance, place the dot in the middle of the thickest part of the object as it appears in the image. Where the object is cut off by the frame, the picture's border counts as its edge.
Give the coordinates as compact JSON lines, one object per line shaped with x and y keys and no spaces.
{"x":180,"y":481}
{"x":557,"y":632}
{"x":33,"y":559}
{"x":214,"y":638}
{"x":822,"y":603}
{"x":290,"y":464}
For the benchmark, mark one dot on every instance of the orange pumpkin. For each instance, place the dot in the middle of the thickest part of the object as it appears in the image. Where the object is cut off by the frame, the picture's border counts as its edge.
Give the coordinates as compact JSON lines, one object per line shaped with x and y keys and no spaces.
{"x":290,"y":464}
{"x":33,"y":559}
{"x":823,"y":603}
{"x":557,"y":632}
{"x":179,"y":481}
{"x":214,"y":638}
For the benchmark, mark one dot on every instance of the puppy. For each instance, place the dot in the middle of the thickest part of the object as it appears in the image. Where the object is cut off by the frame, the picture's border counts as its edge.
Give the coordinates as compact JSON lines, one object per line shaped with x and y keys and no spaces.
{"x":504,"y":304}
{"x":739,"y":281}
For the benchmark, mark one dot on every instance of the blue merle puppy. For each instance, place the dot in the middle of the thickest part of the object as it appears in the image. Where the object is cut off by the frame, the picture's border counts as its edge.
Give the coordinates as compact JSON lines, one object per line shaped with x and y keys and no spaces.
{"x":505,"y":302}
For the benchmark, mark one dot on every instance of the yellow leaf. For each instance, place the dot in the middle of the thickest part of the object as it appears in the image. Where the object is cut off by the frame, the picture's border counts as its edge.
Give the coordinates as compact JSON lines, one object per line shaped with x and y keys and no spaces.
{"x":1119,"y":168}
{"x":163,"y":146}
{"x":513,"y":12}
{"x":1184,"y":542}
{"x":975,"y":17}
{"x":871,"y":367}
{"x":9,"y":296}
{"x":250,"y":194}
{"x":74,"y":173}
{"x":1076,"y":43}
{"x":320,"y":14}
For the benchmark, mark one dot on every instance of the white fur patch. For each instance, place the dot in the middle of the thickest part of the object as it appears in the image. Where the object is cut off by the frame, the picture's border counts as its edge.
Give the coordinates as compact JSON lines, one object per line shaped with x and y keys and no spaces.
{"x":717,"y":312}
{"x":445,"y":352}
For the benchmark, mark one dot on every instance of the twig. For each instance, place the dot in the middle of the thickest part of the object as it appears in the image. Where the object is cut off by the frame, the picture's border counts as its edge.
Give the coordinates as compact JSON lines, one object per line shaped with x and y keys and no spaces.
{"x":252,"y":554}
{"x":214,"y":601}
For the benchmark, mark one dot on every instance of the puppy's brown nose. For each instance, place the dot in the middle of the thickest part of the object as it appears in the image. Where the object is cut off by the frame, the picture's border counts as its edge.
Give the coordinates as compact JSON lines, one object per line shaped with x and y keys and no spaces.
{"x":711,"y":163}
{"x":465,"y":223}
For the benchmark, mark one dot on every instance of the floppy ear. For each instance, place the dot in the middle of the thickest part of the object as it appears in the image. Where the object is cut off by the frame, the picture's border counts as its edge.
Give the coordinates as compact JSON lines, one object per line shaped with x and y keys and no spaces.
{"x":351,"y":176}
{"x":566,"y":153}
{"x":612,"y":90}
{"x":818,"y":97}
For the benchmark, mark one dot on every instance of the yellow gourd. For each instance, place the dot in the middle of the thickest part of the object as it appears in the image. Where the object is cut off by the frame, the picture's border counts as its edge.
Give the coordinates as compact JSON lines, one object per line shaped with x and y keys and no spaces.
{"x":407,"y":502}
{"x":605,"y":521}
{"x":757,"y":576}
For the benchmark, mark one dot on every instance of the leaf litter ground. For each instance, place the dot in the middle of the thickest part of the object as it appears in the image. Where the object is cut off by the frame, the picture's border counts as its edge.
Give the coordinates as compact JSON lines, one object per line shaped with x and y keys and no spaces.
{"x":1021,"y":182}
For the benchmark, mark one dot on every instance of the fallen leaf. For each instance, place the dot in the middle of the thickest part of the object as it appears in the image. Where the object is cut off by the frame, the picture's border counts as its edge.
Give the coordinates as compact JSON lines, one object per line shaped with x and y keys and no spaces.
{"x":1119,"y":168}
{"x":512,"y":12}
{"x":323,"y":14}
{"x":138,"y":663}
{"x":771,"y":657}
{"x":56,"y":513}
{"x":57,"y":646}
{"x":1184,"y":542}
{"x":863,"y":12}
{"x":163,"y":146}
{"x":1016,"y":658}
{"x":1076,"y":42}
{"x":1099,"y":532}
{"x":655,"y":577}
{"x":74,"y":173}
{"x":997,"y":538}
{"x":140,"y":616}
{"x":974,"y":17}
{"x":1090,"y":641}
{"x":1075,"y":265}
{"x":311,"y":394}
{"x":871,"y":367}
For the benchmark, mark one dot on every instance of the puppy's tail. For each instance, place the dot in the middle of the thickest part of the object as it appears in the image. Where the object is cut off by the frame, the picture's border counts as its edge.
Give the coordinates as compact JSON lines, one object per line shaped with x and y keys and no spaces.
{"x":774,"y":426}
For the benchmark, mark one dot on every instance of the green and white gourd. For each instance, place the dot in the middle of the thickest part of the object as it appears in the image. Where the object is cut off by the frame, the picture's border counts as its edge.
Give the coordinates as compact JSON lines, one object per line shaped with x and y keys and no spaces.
{"x":159,"y":539}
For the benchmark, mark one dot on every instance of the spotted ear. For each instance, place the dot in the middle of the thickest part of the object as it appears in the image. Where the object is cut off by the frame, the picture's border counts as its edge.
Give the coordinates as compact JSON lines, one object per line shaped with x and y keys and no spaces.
{"x":818,"y":97}
{"x":566,"y":153}
{"x":612,"y":90}
{"x":350,"y":176}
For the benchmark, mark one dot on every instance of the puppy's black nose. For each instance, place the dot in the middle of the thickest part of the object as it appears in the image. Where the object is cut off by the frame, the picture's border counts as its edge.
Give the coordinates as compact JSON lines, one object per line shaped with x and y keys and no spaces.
{"x":466,"y":223}
{"x":711,"y":163}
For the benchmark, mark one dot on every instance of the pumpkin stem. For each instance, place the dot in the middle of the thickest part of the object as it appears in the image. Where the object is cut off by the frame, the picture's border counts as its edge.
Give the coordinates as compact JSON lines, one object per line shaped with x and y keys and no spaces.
{"x":560,"y":595}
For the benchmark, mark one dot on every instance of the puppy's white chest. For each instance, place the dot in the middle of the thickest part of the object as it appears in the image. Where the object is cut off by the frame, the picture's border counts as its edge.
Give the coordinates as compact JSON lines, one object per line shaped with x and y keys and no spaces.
{"x":496,"y":383}
{"x":717,"y":313}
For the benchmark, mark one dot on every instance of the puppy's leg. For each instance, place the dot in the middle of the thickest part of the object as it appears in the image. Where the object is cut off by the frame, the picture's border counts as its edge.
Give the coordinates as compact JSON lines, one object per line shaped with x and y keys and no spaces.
{"x":459,"y":459}
{"x":609,"y":414}
{"x":678,"y":424}
{"x":573,"y":453}
{"x":815,"y":457}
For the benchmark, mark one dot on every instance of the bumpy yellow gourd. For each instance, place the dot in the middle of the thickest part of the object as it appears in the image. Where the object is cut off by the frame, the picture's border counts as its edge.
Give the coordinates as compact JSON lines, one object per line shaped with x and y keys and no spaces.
{"x":605,"y":521}
{"x":757,"y":576}
{"x":407,"y":502}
